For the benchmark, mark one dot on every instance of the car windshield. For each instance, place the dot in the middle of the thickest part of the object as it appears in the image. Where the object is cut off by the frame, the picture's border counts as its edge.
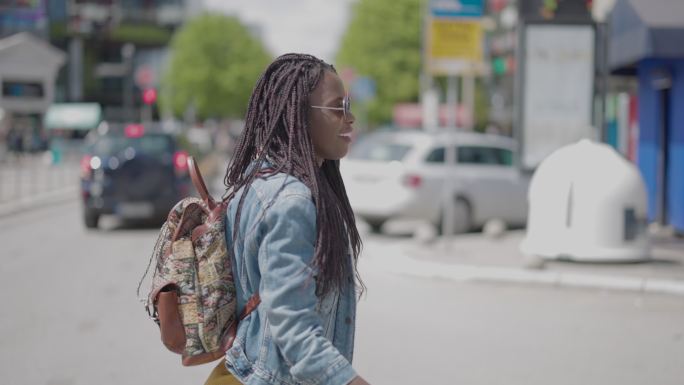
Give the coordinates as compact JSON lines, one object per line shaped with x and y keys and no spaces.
{"x":151,"y":145}
{"x":379,"y":149}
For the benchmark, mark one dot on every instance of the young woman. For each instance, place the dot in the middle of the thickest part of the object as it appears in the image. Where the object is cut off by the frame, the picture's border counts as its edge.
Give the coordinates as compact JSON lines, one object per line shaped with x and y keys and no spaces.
{"x":292,"y":231}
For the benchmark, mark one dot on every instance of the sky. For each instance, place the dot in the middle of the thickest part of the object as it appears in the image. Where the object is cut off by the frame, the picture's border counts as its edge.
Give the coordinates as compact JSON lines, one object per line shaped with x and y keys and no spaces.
{"x":303,"y":26}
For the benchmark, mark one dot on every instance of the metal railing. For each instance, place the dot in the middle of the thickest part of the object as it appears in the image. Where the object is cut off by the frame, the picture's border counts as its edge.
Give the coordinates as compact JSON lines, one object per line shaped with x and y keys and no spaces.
{"x":28,"y":175}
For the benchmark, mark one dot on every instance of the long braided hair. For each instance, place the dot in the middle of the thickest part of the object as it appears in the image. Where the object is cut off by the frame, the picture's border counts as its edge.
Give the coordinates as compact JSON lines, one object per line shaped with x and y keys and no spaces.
{"x":277,"y":129}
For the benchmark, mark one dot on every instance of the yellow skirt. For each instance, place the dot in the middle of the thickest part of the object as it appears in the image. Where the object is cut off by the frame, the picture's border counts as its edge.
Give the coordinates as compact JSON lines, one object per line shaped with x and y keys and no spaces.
{"x":221,"y":376}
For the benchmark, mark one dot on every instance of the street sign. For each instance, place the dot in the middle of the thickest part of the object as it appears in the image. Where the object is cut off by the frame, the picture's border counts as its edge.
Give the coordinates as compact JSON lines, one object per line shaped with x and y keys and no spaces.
{"x":454,"y":47}
{"x":144,"y":76}
{"x":456,"y":39}
{"x":453,"y":37}
{"x":456,"y":8}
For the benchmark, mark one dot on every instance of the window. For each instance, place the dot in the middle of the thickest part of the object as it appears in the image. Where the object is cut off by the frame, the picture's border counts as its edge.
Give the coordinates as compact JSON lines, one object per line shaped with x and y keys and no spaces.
{"x":17,"y":89}
{"x":152,"y":145}
{"x":379,"y":151}
{"x":436,"y":156}
{"x":485,"y":155}
{"x":474,"y":155}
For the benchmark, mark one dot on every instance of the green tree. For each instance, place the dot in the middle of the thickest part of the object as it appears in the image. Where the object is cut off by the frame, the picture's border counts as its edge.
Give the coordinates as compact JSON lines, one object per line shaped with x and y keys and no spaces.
{"x":214,"y":64}
{"x":383,"y":41}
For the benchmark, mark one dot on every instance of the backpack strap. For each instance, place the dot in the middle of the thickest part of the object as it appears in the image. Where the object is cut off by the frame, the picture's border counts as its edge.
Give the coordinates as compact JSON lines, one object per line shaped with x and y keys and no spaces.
{"x":252,"y":304}
{"x":199,"y":184}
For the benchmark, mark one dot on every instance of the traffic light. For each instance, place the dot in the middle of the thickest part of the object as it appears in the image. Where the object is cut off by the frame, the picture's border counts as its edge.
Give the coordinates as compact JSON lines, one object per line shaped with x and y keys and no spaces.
{"x":149,"y":96}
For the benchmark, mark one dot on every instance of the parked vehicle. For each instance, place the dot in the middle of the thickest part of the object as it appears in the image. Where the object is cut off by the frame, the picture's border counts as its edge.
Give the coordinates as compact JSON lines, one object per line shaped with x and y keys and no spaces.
{"x":133,"y":171}
{"x":402,"y":174}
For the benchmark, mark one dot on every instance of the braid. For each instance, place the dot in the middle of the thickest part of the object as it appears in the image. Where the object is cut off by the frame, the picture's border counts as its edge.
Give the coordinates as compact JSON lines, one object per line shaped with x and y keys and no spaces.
{"x":276,"y":127}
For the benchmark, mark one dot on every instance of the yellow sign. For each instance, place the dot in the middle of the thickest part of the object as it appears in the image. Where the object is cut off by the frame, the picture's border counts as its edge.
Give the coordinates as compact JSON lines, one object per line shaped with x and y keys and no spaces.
{"x":456,"y":39}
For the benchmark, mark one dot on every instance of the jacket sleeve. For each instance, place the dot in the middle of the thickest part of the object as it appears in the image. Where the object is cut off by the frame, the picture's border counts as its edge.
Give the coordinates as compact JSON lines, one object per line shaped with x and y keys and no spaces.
{"x":288,"y":294}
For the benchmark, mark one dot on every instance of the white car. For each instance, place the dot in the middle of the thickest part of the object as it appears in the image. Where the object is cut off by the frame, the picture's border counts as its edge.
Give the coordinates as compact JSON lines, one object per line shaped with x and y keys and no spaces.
{"x":402,"y":174}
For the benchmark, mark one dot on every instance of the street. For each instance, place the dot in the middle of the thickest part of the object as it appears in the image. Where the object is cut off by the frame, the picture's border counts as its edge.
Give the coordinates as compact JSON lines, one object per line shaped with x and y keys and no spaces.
{"x":515,"y":168}
{"x":71,"y":317}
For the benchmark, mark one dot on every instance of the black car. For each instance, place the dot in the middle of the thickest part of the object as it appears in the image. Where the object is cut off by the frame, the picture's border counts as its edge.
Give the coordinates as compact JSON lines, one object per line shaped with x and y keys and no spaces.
{"x":132,"y":171}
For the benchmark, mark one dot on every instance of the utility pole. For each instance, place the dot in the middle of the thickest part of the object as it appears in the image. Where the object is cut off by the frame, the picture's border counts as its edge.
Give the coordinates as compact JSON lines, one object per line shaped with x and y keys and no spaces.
{"x":127,"y":53}
{"x":448,"y":219}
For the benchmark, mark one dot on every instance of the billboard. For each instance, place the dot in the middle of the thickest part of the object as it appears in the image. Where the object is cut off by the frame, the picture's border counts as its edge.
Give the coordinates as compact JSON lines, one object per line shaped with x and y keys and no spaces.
{"x":558,"y":88}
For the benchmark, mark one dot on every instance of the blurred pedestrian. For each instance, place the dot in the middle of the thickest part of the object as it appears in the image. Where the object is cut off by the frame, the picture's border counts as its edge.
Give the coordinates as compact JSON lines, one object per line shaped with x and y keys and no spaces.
{"x":292,"y":231}
{"x":15,"y":139}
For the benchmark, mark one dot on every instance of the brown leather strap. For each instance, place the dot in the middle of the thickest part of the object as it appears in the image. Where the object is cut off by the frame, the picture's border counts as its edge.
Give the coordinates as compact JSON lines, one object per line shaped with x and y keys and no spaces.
{"x":252,"y":304}
{"x":198,"y":181}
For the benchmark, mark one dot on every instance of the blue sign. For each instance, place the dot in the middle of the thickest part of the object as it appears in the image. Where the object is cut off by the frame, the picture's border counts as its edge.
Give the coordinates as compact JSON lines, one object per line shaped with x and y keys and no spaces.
{"x":457,"y":8}
{"x":363,"y":89}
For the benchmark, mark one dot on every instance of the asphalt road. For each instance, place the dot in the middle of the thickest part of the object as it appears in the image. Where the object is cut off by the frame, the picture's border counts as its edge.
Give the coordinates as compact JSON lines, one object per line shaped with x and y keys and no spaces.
{"x":70,"y":316}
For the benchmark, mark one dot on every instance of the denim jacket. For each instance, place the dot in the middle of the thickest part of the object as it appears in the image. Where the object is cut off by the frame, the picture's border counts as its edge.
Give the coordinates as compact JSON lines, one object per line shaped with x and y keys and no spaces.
{"x":293,"y":336}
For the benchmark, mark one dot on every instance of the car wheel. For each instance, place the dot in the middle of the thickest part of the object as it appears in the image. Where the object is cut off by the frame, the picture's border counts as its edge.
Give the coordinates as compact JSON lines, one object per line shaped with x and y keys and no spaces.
{"x":462,"y":218}
{"x":375,"y":225}
{"x":91,"y":219}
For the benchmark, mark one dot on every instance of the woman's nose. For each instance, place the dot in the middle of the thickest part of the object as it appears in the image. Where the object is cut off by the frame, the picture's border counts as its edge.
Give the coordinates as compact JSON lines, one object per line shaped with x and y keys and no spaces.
{"x":350,"y":118}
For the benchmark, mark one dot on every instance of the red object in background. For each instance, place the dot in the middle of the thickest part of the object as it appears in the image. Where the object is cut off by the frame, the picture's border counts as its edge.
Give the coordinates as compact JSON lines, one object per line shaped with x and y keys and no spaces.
{"x":633,"y":127}
{"x":144,"y":76}
{"x":410,"y":115}
{"x":347,"y":74}
{"x":134,"y":130}
{"x":497,"y":5}
{"x":510,"y":65}
{"x":86,"y":170}
{"x":180,"y":162}
{"x":149,"y":96}
{"x":413,"y":180}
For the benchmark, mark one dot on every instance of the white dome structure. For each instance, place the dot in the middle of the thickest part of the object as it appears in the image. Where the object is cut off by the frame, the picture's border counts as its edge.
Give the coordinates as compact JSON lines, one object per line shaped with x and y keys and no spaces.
{"x":587,"y":203}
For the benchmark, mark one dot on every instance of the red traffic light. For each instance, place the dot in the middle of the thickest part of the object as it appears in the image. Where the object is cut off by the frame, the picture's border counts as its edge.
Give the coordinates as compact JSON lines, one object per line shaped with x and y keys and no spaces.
{"x":149,"y":96}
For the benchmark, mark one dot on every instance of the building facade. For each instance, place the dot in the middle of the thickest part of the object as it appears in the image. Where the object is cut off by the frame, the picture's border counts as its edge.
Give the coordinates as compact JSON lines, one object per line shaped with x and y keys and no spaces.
{"x":116,"y":49}
{"x":645,"y":42}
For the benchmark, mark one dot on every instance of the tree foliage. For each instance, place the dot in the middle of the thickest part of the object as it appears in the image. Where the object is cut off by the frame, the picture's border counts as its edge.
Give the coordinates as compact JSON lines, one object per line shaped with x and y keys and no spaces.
{"x":214,"y":64}
{"x":383,"y":42}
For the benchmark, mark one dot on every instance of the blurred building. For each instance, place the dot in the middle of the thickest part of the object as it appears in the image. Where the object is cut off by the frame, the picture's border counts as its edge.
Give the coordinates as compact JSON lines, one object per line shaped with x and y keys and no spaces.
{"x":638,"y":80}
{"x":116,"y":49}
{"x":28,"y":70}
{"x":23,"y":16}
{"x":646,"y":45}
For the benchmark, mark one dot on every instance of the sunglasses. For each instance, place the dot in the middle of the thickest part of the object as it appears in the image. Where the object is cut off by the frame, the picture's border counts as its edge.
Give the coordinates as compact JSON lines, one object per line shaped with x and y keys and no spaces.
{"x":346,"y":106}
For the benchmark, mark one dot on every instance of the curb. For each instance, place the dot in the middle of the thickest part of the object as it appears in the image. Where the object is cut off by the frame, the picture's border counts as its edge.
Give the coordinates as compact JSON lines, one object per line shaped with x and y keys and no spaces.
{"x":405,"y":265}
{"x":25,"y":204}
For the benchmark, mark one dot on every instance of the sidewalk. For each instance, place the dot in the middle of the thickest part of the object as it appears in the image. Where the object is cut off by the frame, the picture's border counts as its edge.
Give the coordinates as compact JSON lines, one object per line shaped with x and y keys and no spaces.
{"x":477,"y":257}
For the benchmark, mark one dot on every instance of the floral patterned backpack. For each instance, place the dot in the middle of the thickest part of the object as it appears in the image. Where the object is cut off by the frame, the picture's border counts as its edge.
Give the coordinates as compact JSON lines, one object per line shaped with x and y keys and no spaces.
{"x":192,"y":297}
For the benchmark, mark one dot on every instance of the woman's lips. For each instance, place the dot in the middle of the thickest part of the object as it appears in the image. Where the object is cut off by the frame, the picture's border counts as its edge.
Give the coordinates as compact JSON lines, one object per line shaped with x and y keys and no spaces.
{"x":345,"y":136}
